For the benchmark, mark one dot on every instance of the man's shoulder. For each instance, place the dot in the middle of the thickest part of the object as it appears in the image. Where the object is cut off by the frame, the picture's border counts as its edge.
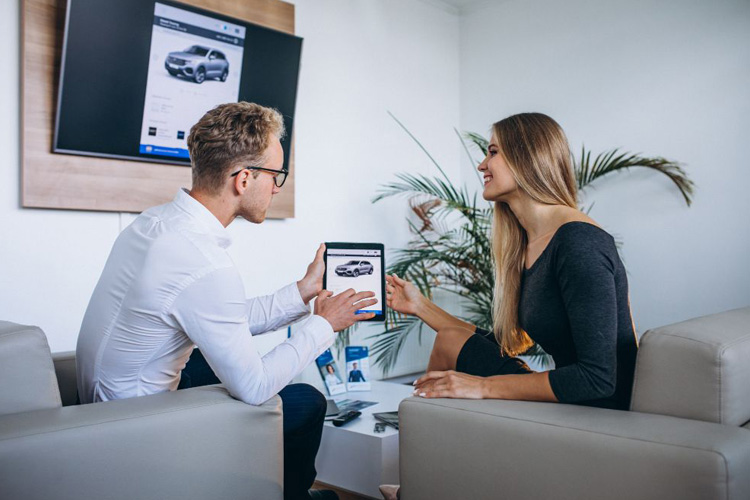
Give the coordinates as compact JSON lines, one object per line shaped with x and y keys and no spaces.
{"x":172,"y":241}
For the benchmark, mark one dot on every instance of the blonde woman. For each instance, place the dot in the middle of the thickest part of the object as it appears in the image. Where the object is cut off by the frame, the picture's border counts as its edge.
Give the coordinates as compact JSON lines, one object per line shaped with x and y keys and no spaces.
{"x":559,"y":282}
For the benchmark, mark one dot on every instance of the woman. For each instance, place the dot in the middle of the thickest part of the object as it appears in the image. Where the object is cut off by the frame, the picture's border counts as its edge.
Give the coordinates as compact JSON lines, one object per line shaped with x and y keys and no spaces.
{"x":559,"y":282}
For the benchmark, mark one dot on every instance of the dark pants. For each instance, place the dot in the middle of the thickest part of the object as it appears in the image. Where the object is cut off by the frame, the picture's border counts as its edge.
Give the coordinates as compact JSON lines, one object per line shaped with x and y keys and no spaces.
{"x":304,"y":412}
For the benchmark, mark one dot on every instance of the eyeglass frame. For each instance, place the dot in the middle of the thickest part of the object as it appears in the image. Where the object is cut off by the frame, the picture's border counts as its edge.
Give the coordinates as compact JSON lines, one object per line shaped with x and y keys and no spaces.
{"x":271,"y":170}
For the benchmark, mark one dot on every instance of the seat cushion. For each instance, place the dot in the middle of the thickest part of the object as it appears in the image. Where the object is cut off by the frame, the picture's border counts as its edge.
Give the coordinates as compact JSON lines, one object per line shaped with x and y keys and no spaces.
{"x":27,"y":375}
{"x":697,"y":369}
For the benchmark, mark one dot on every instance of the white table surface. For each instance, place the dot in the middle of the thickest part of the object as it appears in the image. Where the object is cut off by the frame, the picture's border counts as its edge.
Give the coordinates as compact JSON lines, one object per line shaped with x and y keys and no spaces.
{"x":356,"y":458}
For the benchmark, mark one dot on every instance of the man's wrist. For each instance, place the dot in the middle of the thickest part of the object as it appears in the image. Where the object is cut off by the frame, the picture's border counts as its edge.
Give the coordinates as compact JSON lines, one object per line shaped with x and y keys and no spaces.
{"x":307,"y":290}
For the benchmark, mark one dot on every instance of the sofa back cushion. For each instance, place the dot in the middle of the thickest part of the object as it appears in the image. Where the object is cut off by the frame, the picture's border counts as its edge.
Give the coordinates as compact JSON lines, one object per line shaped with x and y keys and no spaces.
{"x":698,"y":369}
{"x":27,"y":376}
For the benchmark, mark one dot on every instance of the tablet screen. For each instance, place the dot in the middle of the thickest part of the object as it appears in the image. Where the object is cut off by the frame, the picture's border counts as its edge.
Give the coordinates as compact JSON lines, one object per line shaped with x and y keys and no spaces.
{"x":359,"y":266}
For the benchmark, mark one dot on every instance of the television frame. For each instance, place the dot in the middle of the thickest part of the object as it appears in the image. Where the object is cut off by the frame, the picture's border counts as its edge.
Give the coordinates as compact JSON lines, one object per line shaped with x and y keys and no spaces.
{"x":75,"y":182}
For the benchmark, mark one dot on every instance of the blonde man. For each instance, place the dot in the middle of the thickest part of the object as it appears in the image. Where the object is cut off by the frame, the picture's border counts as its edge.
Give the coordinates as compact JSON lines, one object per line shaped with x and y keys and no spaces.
{"x":170,"y":285}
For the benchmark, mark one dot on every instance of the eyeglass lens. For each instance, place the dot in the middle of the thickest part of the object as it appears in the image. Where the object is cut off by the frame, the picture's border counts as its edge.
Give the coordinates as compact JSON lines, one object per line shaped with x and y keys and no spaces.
{"x":280,"y":179}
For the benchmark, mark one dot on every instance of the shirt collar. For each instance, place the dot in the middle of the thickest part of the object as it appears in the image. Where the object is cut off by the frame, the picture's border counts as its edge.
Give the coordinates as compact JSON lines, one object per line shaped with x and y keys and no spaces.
{"x":203,"y":216}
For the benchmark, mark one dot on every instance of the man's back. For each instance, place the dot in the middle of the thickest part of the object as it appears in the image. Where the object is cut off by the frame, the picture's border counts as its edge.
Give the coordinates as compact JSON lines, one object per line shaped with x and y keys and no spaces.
{"x":130,"y":344}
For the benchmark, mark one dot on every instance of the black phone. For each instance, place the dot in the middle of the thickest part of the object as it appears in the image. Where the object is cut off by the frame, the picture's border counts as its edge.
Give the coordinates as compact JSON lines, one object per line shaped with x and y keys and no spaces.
{"x":346,"y":418}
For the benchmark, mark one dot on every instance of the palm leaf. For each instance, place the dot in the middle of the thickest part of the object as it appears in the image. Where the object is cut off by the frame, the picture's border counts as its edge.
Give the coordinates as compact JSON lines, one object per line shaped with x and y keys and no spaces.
{"x":613,"y":161}
{"x":480,"y":142}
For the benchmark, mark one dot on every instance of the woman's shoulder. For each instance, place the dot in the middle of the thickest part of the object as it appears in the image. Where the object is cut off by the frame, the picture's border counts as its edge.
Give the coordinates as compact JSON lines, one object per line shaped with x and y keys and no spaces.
{"x":582,"y":236}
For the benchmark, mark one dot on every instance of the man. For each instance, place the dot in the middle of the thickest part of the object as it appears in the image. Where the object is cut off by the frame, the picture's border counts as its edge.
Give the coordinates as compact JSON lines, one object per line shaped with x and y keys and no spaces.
{"x":169,"y":285}
{"x":356,"y":374}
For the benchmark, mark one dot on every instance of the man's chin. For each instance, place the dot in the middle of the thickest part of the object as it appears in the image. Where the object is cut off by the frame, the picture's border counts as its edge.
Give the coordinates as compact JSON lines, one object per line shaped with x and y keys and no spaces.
{"x":254,"y":218}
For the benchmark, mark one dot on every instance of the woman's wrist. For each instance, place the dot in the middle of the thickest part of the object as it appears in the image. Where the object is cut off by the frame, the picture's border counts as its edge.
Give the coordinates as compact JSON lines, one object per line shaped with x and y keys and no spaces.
{"x":486,"y":388}
{"x":421,"y":307}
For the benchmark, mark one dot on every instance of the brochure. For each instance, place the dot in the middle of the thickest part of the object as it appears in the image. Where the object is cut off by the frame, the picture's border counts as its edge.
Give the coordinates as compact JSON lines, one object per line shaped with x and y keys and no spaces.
{"x":357,"y":368}
{"x":330,"y":373}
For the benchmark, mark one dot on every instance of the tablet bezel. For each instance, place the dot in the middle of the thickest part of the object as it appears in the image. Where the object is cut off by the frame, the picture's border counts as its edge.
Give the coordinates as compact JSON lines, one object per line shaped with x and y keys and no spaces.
{"x":360,"y":246}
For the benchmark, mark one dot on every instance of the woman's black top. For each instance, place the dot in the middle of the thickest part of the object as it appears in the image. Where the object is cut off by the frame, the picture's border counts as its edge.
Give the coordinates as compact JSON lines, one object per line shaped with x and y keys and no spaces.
{"x":574,"y":304}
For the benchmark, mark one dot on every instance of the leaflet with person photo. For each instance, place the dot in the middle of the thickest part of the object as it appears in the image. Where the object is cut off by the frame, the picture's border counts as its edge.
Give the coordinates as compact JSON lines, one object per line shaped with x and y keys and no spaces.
{"x":195,"y":64}
{"x":357,"y":368}
{"x":330,"y":373}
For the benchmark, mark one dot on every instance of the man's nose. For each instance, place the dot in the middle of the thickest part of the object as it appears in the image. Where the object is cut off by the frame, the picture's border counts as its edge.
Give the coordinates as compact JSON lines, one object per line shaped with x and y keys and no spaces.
{"x":276,"y":189}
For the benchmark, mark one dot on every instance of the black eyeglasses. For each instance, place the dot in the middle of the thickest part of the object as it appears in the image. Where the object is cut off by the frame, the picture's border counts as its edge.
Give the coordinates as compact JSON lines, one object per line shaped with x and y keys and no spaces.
{"x":279,"y":179}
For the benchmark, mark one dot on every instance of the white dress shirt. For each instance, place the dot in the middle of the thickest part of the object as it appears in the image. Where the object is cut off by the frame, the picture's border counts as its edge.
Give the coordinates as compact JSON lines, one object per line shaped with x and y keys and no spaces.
{"x":169,"y":284}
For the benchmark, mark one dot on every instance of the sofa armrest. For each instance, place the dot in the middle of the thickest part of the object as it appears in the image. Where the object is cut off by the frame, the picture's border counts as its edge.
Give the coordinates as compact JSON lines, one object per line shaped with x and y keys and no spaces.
{"x":515,"y":449}
{"x":65,"y":369}
{"x":192,"y":444}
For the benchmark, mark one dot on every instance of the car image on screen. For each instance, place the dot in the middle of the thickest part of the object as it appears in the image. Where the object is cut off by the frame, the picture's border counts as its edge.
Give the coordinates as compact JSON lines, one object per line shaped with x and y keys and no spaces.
{"x":197,"y":63}
{"x":354,"y":268}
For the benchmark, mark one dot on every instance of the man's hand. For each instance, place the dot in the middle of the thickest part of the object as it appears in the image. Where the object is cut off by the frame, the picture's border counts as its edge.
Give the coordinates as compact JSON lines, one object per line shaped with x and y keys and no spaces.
{"x":312,"y":283}
{"x":340,"y":310}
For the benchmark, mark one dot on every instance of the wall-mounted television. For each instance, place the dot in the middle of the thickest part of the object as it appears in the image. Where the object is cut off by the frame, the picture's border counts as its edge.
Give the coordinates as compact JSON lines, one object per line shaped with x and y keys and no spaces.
{"x":137,"y":74}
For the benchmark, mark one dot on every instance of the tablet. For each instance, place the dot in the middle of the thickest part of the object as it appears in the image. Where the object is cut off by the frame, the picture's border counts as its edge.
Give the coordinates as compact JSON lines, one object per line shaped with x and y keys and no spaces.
{"x":360,"y":266}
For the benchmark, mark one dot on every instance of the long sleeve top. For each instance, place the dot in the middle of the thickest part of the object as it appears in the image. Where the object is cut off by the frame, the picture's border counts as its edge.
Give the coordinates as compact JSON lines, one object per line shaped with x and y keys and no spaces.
{"x":574,"y":303}
{"x":169,"y":285}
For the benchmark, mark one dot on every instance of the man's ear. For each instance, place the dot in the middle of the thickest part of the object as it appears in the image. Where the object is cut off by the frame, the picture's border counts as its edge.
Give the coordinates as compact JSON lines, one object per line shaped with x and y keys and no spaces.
{"x":242,"y":181}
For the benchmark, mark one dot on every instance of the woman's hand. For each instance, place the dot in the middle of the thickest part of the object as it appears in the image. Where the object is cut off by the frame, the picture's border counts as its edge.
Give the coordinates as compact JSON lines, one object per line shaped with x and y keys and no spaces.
{"x":450,"y":384}
{"x":403,"y":296}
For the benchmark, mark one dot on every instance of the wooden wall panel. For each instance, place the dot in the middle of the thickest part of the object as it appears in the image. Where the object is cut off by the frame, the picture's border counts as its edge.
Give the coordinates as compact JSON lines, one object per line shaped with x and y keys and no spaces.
{"x":88,"y":183}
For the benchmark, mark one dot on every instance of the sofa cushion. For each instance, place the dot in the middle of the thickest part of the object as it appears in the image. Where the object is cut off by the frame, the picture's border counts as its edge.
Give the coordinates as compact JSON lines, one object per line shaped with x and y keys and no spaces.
{"x":27,"y":375}
{"x":697,"y":369}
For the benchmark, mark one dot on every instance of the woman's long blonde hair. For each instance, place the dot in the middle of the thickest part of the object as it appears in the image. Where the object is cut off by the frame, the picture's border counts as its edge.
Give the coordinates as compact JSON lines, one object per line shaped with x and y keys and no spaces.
{"x":537,"y":153}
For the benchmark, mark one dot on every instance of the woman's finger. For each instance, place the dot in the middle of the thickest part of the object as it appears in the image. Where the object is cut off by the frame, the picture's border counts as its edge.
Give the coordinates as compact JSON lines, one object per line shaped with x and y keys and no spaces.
{"x":434,"y":390}
{"x":399,"y":281}
{"x":430,"y":376}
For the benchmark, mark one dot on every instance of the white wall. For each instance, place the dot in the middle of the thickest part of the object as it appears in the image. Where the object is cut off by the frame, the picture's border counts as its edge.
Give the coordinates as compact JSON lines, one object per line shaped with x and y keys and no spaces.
{"x":665,"y":78}
{"x":360,"y":59}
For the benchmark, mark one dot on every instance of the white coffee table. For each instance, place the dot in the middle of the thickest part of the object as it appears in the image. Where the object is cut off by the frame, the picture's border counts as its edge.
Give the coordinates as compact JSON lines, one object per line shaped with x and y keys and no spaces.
{"x":356,"y":458}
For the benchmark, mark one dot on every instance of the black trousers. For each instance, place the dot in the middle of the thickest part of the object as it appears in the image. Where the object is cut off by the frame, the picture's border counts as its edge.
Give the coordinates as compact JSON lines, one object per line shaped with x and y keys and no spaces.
{"x":304,"y":413}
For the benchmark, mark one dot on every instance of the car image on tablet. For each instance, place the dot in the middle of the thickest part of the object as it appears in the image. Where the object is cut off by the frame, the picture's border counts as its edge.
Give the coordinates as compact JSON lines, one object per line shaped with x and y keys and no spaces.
{"x":354,"y":268}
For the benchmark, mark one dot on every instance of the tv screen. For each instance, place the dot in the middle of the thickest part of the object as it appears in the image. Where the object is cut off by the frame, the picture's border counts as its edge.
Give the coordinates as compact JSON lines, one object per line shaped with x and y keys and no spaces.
{"x":137,"y":74}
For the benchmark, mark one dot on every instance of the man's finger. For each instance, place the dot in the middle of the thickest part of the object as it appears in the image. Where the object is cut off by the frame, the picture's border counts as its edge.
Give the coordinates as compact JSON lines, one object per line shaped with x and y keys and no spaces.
{"x":321,"y":251}
{"x":364,"y":316}
{"x":364,"y":304}
{"x":324,"y":294}
{"x":362,"y":295}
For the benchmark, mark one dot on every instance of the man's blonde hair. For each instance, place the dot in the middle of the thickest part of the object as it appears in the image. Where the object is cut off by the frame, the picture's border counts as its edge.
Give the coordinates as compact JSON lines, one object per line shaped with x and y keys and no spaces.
{"x":230,"y":136}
